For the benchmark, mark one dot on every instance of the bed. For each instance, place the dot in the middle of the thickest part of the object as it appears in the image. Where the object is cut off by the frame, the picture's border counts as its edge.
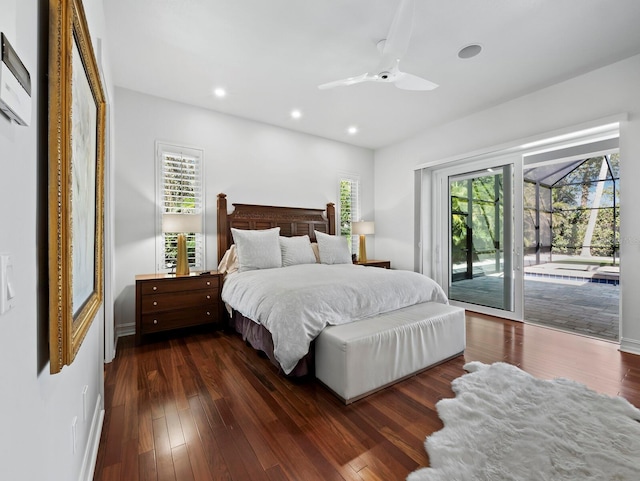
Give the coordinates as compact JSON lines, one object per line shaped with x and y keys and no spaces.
{"x":293,"y":221}
{"x":281,"y":311}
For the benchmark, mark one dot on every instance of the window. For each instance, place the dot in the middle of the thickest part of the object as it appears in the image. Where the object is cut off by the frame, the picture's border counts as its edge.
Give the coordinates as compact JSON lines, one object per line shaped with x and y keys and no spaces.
{"x":349,"y":208}
{"x":180,"y":191}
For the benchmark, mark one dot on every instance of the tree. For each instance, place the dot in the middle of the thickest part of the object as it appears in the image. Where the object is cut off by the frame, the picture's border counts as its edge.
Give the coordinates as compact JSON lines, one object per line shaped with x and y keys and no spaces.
{"x":485,"y":208}
{"x":345,"y":207}
{"x":572,"y":209}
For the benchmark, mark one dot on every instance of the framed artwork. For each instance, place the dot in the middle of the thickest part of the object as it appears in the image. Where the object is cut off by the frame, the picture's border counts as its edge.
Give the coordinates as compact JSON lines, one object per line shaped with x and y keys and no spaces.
{"x":76,"y":181}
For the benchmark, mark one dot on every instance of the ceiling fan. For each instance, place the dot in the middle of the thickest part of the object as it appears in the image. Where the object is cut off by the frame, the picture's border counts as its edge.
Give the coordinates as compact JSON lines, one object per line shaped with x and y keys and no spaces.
{"x":393,"y":49}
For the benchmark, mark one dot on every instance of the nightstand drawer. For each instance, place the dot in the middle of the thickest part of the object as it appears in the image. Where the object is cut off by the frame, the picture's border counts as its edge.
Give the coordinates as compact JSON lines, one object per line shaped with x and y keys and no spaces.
{"x":178,"y":300}
{"x":161,"y":286}
{"x":164,"y":321}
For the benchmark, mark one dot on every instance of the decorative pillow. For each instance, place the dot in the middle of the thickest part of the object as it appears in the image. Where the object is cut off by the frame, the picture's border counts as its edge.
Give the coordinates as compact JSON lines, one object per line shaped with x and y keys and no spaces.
{"x":333,"y":249}
{"x":257,"y":249}
{"x":229,"y":262}
{"x":296,"y":250}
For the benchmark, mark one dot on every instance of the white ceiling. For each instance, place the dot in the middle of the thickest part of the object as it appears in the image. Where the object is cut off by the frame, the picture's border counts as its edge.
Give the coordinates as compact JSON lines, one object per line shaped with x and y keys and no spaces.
{"x":272,"y":54}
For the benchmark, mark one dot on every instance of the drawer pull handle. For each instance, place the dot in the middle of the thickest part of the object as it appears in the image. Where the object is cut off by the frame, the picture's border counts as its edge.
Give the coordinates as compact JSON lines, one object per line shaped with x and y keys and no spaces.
{"x":208,"y":313}
{"x":208,"y":283}
{"x":208,"y":297}
{"x":155,"y":321}
{"x":155,"y":288}
{"x":155,"y":303}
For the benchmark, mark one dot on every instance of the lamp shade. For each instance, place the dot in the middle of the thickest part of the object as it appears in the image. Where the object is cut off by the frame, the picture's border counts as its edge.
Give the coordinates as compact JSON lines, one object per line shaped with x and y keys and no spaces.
{"x":362,"y":228}
{"x":181,"y":223}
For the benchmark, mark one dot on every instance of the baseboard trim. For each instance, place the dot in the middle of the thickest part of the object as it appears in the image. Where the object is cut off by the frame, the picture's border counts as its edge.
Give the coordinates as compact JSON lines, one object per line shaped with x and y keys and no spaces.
{"x":91,"y":453}
{"x":123,"y":330}
{"x":630,"y":345}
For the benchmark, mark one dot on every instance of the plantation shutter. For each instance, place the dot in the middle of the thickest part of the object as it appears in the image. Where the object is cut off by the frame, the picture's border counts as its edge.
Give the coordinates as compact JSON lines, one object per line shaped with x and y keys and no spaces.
{"x":349,"y":208}
{"x":181,"y":192}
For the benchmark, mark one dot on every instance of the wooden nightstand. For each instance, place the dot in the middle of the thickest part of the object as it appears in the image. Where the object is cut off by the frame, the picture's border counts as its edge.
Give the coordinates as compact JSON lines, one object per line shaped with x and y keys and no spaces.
{"x":166,"y":301}
{"x":375,"y":263}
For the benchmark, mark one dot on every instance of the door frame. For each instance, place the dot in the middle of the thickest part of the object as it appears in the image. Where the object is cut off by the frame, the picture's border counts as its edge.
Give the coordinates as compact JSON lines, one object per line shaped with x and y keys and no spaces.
{"x":441,"y":215}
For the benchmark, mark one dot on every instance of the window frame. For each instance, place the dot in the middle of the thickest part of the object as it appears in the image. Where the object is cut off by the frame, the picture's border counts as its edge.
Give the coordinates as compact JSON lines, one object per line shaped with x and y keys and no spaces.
{"x":355,"y":216}
{"x":161,"y":150}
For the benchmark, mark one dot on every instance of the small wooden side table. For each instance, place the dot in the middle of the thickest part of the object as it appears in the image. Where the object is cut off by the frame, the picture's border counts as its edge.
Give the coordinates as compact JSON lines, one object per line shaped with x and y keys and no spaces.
{"x":166,"y":301}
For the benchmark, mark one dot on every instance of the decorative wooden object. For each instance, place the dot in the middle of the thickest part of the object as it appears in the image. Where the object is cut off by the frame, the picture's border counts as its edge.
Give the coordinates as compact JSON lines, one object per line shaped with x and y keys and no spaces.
{"x":292,"y":221}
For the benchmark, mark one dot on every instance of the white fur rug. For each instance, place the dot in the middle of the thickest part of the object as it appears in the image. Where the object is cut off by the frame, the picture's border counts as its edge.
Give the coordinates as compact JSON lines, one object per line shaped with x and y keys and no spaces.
{"x":504,"y":424}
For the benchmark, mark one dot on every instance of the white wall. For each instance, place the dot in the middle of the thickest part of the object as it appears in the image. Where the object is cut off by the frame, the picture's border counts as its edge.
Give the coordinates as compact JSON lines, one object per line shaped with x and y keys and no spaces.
{"x":251,"y":162}
{"x":598,"y":94}
{"x":36,"y":408}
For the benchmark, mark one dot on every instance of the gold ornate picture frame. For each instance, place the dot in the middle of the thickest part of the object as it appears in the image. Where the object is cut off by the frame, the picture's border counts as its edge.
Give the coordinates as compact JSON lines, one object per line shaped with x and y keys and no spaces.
{"x":76,"y":181}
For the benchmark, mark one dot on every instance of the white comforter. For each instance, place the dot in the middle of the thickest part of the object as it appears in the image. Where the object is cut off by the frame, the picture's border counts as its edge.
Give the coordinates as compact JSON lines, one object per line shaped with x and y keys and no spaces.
{"x":295,"y":303}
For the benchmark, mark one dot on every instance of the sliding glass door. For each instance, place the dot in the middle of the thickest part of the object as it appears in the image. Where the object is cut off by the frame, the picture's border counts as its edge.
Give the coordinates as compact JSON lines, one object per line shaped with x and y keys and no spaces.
{"x":481,"y":238}
{"x":547,"y":206}
{"x":480,"y":204}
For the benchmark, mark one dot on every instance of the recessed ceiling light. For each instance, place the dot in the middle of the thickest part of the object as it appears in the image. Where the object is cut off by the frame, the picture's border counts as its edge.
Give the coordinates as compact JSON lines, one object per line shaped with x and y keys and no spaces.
{"x":470,"y":51}
{"x":296,"y":114}
{"x":352,"y":130}
{"x":219,"y":92}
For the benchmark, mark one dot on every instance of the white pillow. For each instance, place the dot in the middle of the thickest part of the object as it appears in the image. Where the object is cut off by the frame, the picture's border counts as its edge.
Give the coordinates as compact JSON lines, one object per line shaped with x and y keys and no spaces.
{"x":257,"y":249}
{"x":333,"y":249}
{"x":296,"y":250}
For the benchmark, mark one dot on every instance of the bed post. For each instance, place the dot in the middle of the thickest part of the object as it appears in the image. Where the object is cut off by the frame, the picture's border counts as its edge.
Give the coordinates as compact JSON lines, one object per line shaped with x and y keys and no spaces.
{"x":331,"y":217}
{"x":223,"y":229}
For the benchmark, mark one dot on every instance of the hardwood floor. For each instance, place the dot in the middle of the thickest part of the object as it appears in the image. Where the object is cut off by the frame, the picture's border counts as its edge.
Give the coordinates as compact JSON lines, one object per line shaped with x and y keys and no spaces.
{"x":204,"y":406}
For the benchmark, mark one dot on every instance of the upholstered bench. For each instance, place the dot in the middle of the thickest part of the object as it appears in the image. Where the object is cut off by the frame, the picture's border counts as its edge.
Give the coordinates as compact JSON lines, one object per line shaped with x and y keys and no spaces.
{"x":356,"y":359}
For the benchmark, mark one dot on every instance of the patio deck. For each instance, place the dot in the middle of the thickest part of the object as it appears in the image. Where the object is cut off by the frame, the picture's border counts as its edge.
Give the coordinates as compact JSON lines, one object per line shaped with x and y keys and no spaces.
{"x":588,"y":308}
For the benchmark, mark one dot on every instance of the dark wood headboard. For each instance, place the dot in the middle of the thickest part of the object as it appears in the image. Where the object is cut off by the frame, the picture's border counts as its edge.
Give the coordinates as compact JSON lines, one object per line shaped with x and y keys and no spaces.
{"x":292,"y":221}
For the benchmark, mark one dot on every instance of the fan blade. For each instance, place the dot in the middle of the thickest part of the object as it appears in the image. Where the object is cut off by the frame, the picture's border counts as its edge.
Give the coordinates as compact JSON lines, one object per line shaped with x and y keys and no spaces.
{"x":407,"y":81}
{"x":397,"y":41}
{"x":365,"y":77}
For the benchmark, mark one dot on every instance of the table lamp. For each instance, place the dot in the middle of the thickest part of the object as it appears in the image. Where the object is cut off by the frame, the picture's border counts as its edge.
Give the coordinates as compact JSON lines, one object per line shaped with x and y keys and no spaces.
{"x":362,"y":228}
{"x":182,"y":224}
